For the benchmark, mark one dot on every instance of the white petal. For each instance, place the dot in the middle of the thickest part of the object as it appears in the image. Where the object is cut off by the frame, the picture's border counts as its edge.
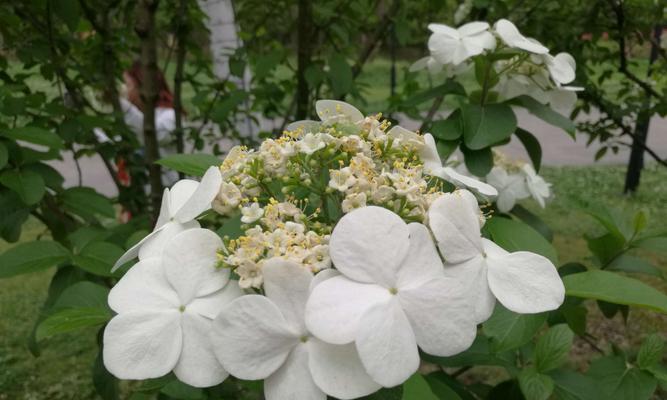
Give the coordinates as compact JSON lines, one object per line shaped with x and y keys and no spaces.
{"x":429,"y":155}
{"x":563,"y":101}
{"x":142,"y":344}
{"x":386,"y":344}
{"x":509,"y":33}
{"x":165,"y":212}
{"x":210,"y":305}
{"x":525,"y":282}
{"x":443,"y":29}
{"x":336,"y":305}
{"x":456,"y":226}
{"x":307,"y":125}
{"x":326,"y":109}
{"x":464,"y":181}
{"x":293,"y":381}
{"x":190,"y":260}
{"x":368,"y":245}
{"x":337,"y":370}
{"x":287,"y":285}
{"x":400,"y":133}
{"x":180,"y":193}
{"x":473,"y":275}
{"x":473,"y":28}
{"x":202,"y":198}
{"x":143,"y":288}
{"x":133,"y":251}
{"x":420,"y":64}
{"x":154,"y":246}
{"x":197,"y":365}
{"x":441,"y":316}
{"x":323,"y":276}
{"x":562,"y":68}
{"x":422,"y":262}
{"x":250,"y":337}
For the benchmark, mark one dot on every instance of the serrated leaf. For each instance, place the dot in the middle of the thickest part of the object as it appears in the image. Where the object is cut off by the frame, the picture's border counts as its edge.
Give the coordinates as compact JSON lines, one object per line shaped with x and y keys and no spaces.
{"x":190,"y":164}
{"x":31,"y":257}
{"x":614,"y":288}
{"x":552,"y":348}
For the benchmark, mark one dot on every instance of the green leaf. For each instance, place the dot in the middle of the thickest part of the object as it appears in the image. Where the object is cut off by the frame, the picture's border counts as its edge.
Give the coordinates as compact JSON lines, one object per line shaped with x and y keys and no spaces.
{"x":51,"y":176}
{"x":447,"y":88}
{"x":447,"y":387}
{"x":27,"y":184}
{"x":98,"y":258}
{"x":545,"y":113}
{"x":106,"y":385}
{"x":535,"y":386}
{"x":416,"y":388}
{"x":35,"y":135}
{"x":532,"y":146}
{"x":340,"y":75}
{"x":70,"y":319}
{"x":449,"y":128}
{"x":533,"y":220}
{"x":83,"y":294}
{"x":484,"y":126}
{"x":180,"y":390}
{"x":14,"y":214}
{"x":223,"y":109}
{"x":190,"y":164}
{"x":4,"y":155}
{"x":31,"y":257}
{"x":628,"y":263}
{"x":571,"y":385}
{"x":614,"y":288}
{"x":617,"y":381}
{"x":613,"y":220}
{"x":87,"y":203}
{"x":650,"y":353}
{"x":479,"y":162}
{"x":69,"y":11}
{"x":652,"y":243}
{"x":575,"y":316}
{"x":513,"y":235}
{"x":510,"y":330}
{"x":552,"y":348}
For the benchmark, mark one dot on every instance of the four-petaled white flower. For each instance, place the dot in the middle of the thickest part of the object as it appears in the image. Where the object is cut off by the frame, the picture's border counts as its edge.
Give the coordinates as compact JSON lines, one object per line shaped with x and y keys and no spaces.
{"x":511,"y":187}
{"x":539,"y":189}
{"x":454,"y":45}
{"x":392,"y":296}
{"x":180,"y":206}
{"x":251,"y":213}
{"x":165,"y":307}
{"x":433,"y":166}
{"x":523,"y":282}
{"x":265,"y":337}
{"x":509,"y":34}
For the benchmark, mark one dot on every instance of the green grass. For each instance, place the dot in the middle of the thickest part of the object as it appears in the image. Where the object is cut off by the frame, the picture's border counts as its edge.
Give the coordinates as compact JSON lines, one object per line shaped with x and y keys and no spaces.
{"x":63,"y":369}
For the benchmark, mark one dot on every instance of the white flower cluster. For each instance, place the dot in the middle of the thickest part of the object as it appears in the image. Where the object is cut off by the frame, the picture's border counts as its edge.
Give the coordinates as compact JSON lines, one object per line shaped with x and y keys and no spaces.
{"x":527,"y":68}
{"x":517,"y":181}
{"x":344,"y":283}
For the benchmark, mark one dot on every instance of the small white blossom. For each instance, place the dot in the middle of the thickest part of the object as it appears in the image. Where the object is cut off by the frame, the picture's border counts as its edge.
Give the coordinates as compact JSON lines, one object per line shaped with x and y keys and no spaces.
{"x":341,"y":179}
{"x":251,"y":213}
{"x":353,"y":201}
{"x":454,"y":45}
{"x":311,"y":143}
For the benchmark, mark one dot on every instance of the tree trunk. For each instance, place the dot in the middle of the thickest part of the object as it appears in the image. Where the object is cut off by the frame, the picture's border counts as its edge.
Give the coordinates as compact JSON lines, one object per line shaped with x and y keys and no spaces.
{"x":636,"y":161}
{"x":304,"y":41}
{"x":145,"y":28}
{"x":182,"y":29}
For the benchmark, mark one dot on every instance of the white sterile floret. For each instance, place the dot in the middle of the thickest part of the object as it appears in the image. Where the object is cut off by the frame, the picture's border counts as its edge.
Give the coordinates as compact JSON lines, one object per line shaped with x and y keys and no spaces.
{"x":539,"y":189}
{"x":511,"y":36}
{"x":522,"y":281}
{"x":433,"y":166}
{"x":562,"y":68}
{"x":511,"y":187}
{"x":165,"y":306}
{"x":454,"y":45}
{"x":181,"y":204}
{"x":251,"y":213}
{"x":391,"y":298}
{"x":265,"y":337}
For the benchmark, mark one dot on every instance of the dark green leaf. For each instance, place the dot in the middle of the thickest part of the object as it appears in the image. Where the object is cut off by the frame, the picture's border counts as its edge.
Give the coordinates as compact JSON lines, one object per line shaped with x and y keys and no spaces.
{"x":628,"y":263}
{"x":650,"y":353}
{"x":446,"y":148}
{"x":605,"y":247}
{"x":552,"y":348}
{"x":614,"y":288}
{"x":87,"y":203}
{"x":14,"y":214}
{"x":52,"y":178}
{"x":534,"y":221}
{"x":618,"y":381}
{"x":98,"y":258}
{"x":484,"y":126}
{"x":35,"y":135}
{"x":513,"y":235}
{"x":180,"y":390}
{"x":614,"y":221}
{"x":4,"y":155}
{"x":69,"y":11}
{"x":535,"y":386}
{"x":106,"y":385}
{"x":479,"y":353}
{"x":340,"y":75}
{"x":575,"y":316}
{"x":416,"y":388}
{"x":479,"y":162}
{"x":545,"y":113}
{"x":509,"y":330}
{"x":70,"y":319}
{"x":84,"y":294}
{"x":532,"y":146}
{"x":447,"y":387}
{"x":449,"y":128}
{"x":27,"y":184}
{"x":190,"y":164}
{"x":31,"y":257}
{"x":571,"y":385}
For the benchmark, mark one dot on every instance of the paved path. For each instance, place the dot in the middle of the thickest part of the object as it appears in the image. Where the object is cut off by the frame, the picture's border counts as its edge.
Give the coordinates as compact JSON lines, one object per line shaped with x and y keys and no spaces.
{"x":558,"y":148}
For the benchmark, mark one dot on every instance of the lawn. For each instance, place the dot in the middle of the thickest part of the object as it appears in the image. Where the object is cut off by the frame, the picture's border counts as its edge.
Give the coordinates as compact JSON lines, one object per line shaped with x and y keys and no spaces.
{"x":63,"y":369}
